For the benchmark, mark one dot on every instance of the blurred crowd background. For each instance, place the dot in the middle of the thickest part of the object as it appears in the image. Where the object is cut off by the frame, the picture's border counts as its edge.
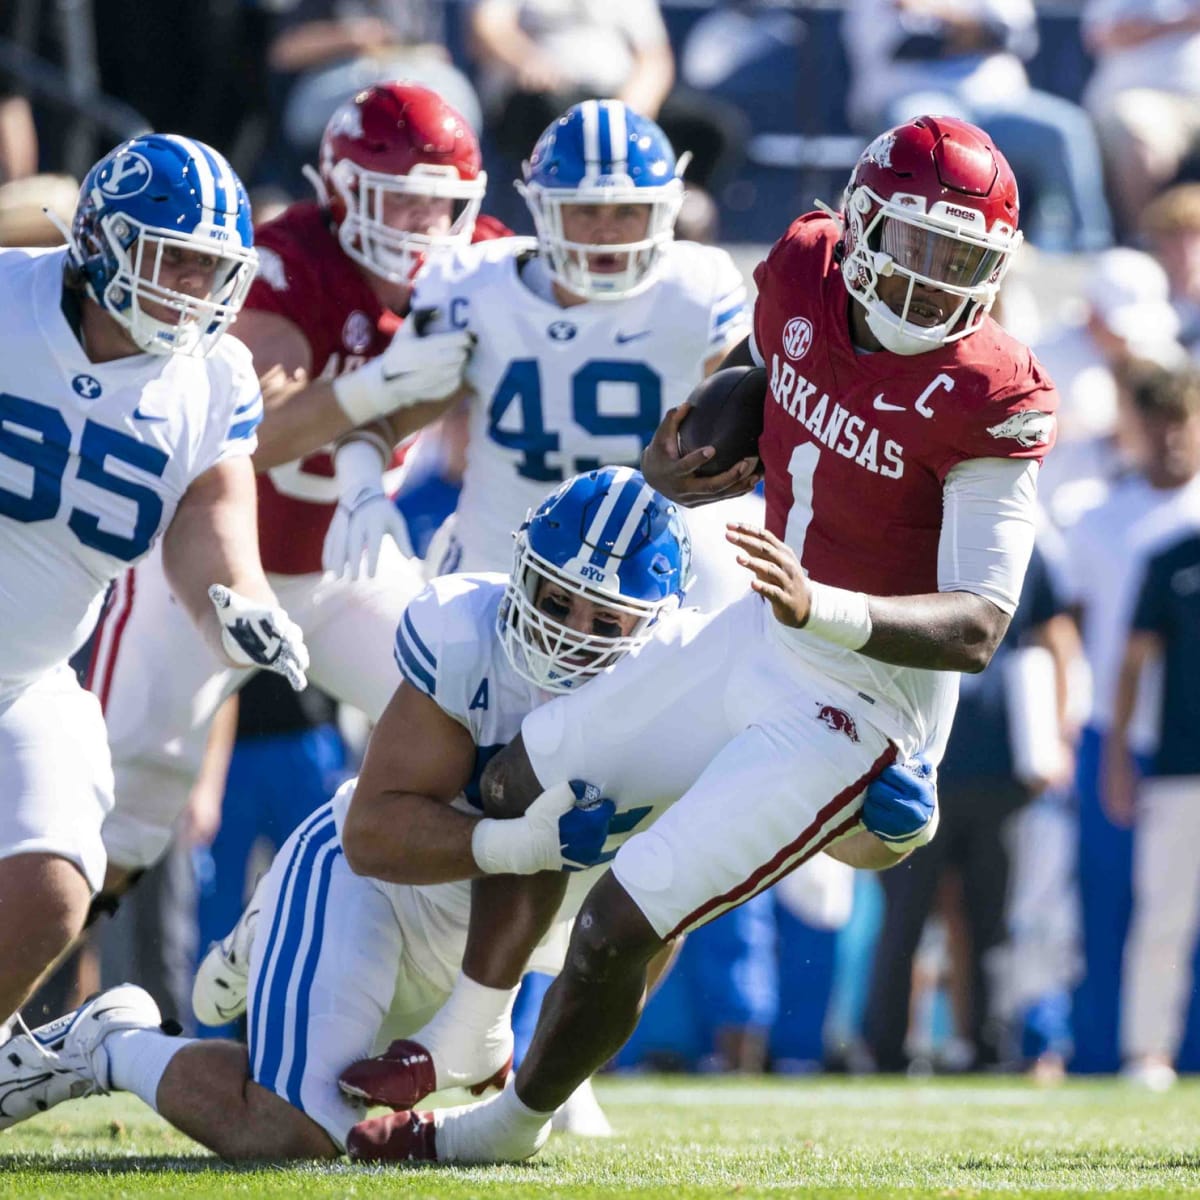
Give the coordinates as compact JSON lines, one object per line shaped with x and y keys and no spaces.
{"x":1053,"y":923}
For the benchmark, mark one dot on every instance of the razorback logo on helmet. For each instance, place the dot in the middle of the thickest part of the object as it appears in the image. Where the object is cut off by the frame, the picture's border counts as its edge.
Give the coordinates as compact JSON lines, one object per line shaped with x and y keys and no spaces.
{"x":1029,"y":428}
{"x":838,"y":720}
{"x":880,"y":150}
{"x":797,"y":337}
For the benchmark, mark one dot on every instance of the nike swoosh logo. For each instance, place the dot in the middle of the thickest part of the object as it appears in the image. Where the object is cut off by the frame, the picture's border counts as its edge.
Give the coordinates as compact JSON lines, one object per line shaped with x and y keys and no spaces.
{"x":884,"y":406}
{"x":141,"y":416}
{"x":622,"y":338}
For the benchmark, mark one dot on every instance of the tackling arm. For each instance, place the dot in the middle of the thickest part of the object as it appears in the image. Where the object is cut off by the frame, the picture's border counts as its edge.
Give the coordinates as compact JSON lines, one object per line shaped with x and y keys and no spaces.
{"x":400,"y":826}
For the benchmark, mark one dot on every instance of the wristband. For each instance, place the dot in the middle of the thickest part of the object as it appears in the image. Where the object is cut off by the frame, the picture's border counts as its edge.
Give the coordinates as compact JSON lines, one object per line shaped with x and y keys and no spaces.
{"x":839,"y":616}
{"x":503,"y":847}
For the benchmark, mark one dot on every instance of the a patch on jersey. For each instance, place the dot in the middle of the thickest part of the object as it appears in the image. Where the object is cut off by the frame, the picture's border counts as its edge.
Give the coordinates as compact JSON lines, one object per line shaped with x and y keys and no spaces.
{"x":880,"y":150}
{"x":837,"y":720}
{"x":1028,"y":428}
{"x":357,"y":332}
{"x":128,"y":175}
{"x":87,"y":386}
{"x":561,"y":331}
{"x":797,"y":337}
{"x":480,"y":699}
{"x":271,"y":269}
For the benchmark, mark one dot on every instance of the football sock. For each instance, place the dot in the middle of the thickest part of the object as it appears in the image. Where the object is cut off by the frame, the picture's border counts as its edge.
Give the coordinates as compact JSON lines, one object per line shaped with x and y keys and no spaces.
{"x":470,"y":1037}
{"x":501,"y":1129}
{"x":138,"y":1058}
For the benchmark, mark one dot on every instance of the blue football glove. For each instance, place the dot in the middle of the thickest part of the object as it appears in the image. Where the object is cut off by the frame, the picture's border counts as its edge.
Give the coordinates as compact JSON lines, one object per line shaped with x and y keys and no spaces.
{"x":564,"y":829}
{"x":900,"y":807}
{"x":583,"y":830}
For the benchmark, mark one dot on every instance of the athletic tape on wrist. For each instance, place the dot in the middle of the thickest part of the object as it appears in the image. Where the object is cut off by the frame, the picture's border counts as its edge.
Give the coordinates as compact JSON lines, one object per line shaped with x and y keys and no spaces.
{"x":839,"y":616}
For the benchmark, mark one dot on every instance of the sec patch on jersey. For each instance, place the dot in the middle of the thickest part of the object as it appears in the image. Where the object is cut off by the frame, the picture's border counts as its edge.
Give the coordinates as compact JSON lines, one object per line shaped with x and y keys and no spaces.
{"x":727,"y":414}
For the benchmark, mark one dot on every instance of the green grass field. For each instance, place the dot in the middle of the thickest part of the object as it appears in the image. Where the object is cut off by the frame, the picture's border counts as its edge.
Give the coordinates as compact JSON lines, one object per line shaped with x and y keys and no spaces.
{"x":685,"y":1138}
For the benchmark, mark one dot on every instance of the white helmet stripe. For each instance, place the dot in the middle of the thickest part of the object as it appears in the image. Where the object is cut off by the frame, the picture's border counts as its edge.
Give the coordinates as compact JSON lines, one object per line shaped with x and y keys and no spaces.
{"x":633,"y":521}
{"x":589,"y":112}
{"x":218,"y":189}
{"x":594,"y":537}
{"x":618,"y":138}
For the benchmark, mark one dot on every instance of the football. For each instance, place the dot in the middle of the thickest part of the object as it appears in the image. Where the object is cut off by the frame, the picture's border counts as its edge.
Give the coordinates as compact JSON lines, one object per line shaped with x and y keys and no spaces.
{"x":727,"y":414}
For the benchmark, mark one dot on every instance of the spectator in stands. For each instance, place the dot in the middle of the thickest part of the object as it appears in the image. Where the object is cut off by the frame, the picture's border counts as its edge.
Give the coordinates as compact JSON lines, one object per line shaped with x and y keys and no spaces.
{"x":1107,"y":547}
{"x":335,"y":48}
{"x":537,"y":58}
{"x":981,"y":783}
{"x":1171,"y":228}
{"x":1125,"y":315}
{"x":964,"y":58}
{"x":1144,"y":94}
{"x":1163,"y":806}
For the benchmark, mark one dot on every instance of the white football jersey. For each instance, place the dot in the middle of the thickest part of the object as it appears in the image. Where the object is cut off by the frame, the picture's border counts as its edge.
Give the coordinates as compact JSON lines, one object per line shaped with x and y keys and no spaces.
{"x":94,"y":458}
{"x":563,"y":390}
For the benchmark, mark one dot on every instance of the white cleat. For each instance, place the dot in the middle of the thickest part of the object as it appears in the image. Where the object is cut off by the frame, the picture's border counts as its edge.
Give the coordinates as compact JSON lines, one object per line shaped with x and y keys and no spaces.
{"x":582,"y":1114}
{"x":66,"y":1059}
{"x":219,"y":991}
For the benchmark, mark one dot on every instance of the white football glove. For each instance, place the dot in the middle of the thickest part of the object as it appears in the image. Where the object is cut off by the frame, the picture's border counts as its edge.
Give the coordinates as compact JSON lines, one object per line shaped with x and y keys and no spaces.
{"x":365,"y":514}
{"x":258,"y":635}
{"x":564,"y":829}
{"x":414,"y":368}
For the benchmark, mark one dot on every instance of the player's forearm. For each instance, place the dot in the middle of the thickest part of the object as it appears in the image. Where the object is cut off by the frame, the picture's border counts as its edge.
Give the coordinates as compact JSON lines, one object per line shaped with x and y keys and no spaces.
{"x":941,"y":631}
{"x":863,"y":850}
{"x":312,"y":418}
{"x":214,"y":542}
{"x":403,"y":838}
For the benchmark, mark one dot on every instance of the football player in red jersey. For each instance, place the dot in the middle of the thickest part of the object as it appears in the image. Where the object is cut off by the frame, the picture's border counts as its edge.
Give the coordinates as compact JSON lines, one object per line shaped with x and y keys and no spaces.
{"x":902,"y":435}
{"x":399,"y":178}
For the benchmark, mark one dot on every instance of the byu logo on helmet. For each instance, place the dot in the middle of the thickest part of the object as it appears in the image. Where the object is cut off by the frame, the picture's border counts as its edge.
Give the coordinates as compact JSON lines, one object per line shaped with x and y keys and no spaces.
{"x":129,"y":174}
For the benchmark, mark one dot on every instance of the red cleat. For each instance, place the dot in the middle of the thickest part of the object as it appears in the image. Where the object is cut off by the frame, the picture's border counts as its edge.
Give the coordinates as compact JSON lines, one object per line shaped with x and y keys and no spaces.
{"x":403,"y":1075}
{"x":394,"y":1137}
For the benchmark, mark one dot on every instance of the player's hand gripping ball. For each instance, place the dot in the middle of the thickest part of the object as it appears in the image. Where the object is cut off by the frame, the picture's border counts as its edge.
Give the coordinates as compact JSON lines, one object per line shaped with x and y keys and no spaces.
{"x":727,"y":414}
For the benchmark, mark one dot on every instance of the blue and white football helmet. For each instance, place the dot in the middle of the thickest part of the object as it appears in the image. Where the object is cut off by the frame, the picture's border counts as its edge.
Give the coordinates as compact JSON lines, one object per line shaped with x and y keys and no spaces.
{"x":609,"y":537}
{"x":149,"y":195}
{"x":602,"y":152}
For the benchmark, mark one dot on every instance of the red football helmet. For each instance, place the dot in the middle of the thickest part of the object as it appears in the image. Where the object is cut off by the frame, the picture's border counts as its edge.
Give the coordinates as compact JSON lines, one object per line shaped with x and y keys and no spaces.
{"x":932,"y":200}
{"x":397,"y":139}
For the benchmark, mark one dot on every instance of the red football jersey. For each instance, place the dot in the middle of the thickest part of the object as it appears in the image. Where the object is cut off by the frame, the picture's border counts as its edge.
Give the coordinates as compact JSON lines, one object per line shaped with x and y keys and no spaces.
{"x":305,"y":277}
{"x":857,"y":446}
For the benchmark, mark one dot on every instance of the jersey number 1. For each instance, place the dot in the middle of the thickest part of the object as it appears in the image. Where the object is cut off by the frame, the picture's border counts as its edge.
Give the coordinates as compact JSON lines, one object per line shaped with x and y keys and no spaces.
{"x":48,"y":455}
{"x":522,"y":384}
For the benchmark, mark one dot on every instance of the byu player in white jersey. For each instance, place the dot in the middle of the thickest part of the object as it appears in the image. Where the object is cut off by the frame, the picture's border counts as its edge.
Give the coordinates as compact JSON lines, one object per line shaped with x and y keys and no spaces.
{"x":349,"y":948}
{"x":124,"y":415}
{"x":584,"y":337}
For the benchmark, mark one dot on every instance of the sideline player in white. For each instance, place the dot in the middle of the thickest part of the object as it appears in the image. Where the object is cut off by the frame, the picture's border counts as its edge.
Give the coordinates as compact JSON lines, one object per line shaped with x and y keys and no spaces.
{"x":365,"y":908}
{"x":345,"y":934}
{"x":125,"y":415}
{"x":399,"y":177}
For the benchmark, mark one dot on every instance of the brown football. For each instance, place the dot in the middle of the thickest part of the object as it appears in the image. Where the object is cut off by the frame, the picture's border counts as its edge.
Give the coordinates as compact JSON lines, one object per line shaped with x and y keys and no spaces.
{"x":727,"y":414}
